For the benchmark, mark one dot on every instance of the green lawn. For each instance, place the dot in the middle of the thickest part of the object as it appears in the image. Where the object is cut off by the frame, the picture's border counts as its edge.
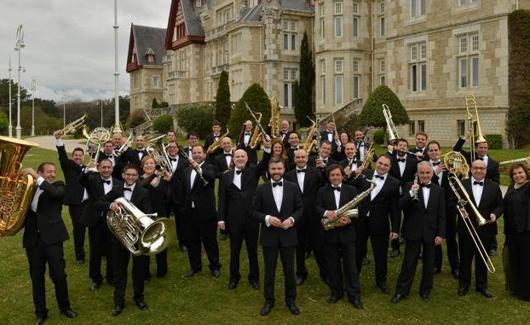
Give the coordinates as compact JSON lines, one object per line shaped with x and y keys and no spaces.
{"x":205,"y":300}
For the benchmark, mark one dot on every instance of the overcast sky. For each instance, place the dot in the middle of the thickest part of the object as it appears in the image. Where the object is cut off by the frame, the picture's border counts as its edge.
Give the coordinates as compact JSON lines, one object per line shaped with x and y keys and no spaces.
{"x":70,"y":43}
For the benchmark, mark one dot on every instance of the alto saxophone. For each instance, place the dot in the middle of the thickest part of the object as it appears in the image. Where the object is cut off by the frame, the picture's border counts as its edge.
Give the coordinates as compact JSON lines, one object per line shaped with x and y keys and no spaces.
{"x":216,"y":144}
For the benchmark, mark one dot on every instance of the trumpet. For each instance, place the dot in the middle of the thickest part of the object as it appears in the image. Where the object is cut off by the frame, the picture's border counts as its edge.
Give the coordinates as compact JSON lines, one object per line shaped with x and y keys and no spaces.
{"x":72,"y":126}
{"x":463,"y":199}
{"x":121,"y":149}
{"x":513,"y":161}
{"x":471,"y":103}
{"x":391,"y":127}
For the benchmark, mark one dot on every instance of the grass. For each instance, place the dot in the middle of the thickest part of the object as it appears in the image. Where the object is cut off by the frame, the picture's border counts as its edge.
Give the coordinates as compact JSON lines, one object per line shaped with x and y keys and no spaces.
{"x":205,"y":300}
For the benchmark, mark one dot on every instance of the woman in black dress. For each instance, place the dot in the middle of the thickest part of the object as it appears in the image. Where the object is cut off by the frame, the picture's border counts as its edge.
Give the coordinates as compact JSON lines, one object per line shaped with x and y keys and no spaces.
{"x":157,"y":183}
{"x":517,"y":230}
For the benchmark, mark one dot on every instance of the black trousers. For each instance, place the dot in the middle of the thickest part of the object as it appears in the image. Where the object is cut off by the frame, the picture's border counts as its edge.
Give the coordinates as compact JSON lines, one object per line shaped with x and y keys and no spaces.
{"x":198,"y":230}
{"x":468,"y":251}
{"x":379,"y":248}
{"x":343,"y":274}
{"x":161,"y":263}
{"x":79,"y":230}
{"x":270,"y":257}
{"x":301,"y":249}
{"x":99,"y":237}
{"x":452,"y":245}
{"x":315,"y":238}
{"x":410,"y":262}
{"x":248,"y":231}
{"x":519,"y":253}
{"x":174,"y":209}
{"x":53,"y":255}
{"x":120,"y":264}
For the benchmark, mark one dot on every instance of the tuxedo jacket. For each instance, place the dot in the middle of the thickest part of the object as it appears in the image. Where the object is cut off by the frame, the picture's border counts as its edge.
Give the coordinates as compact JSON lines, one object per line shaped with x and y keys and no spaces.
{"x":251,"y":153}
{"x":490,"y":202}
{"x":382,"y":211}
{"x":411,"y":166}
{"x":420,"y":223}
{"x":516,"y":209}
{"x":235,"y":204}
{"x":201,"y":195}
{"x":313,"y":180}
{"x":175,"y":184}
{"x":130,"y":156}
{"x":292,"y":206}
{"x":94,"y":186}
{"x":285,"y":138}
{"x":139,"y":198}
{"x":492,"y":170}
{"x":424,"y":153}
{"x":47,"y":223}
{"x":326,"y":201}
{"x":219,"y":162}
{"x":324,"y":136}
{"x":118,"y":165}
{"x":74,"y":190}
{"x":312,"y":161}
{"x":158,"y":196}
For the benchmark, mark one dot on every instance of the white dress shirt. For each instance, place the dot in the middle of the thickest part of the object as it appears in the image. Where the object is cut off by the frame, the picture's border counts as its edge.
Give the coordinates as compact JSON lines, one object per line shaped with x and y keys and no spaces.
{"x":440,"y":174}
{"x":402,"y":164}
{"x":237,"y":178}
{"x":378,"y":185}
{"x":228,"y":158}
{"x":174,"y":164}
{"x":337,"y":195}
{"x":426,"y":193}
{"x":477,"y":190}
{"x":277,"y":193}
{"x":353,"y":164}
{"x":246,"y":138}
{"x":300,"y":176}
{"x":128,"y":194}
{"x":330,"y":137}
{"x":38,"y":192}
{"x":361,"y":147}
{"x":192,"y":179}
{"x":107,"y":187}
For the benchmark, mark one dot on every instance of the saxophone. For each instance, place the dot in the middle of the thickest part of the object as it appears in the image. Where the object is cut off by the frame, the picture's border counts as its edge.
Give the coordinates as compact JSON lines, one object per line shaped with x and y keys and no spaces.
{"x":310,"y":137}
{"x":348,"y":210}
{"x":274,"y":122}
{"x":256,"y":134}
{"x":216,"y":144}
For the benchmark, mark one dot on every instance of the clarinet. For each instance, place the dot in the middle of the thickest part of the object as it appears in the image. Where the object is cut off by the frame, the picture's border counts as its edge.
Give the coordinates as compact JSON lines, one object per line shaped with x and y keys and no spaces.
{"x":197,"y":170}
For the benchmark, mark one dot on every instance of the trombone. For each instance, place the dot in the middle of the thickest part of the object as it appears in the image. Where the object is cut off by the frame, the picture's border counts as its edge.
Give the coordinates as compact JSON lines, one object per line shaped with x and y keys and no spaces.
{"x":391,"y":127}
{"x":72,"y":126}
{"x":463,"y":199}
{"x":471,"y":103}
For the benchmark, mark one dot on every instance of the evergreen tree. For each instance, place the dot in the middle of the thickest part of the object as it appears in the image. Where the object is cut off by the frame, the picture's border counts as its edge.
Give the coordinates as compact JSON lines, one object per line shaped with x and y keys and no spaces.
{"x":372,"y":113}
{"x":222,"y":100}
{"x":258,"y":101}
{"x":303,"y":90}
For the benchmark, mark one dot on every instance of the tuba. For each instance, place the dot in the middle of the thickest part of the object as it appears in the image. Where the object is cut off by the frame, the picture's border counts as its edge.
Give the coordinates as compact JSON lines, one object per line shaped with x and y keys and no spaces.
{"x":137,"y":231}
{"x":348,"y":210}
{"x":216,"y":144}
{"x":274,"y":122}
{"x":390,"y":126}
{"x":16,"y":191}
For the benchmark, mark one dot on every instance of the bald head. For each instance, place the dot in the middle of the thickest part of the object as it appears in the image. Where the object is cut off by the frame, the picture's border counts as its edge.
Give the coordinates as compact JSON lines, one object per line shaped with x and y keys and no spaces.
{"x":300,"y":158}
{"x":478,"y":170}
{"x":240,"y":158}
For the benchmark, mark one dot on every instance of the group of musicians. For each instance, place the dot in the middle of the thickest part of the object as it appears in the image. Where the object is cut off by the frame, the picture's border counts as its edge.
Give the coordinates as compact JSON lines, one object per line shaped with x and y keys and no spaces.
{"x":408,"y":201}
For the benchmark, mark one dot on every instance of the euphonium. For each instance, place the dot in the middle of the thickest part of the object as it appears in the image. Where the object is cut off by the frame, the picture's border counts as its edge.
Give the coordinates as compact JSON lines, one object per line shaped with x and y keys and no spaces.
{"x":73,"y":126}
{"x":274,"y":122}
{"x":310,"y":137}
{"x":16,"y":191}
{"x":348,"y":210}
{"x":137,"y":231}
{"x":158,"y":152}
{"x":216,"y":144}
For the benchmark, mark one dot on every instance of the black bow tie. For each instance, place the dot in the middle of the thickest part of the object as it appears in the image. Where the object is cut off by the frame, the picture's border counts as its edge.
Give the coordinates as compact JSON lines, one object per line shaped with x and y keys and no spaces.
{"x":277,"y":184}
{"x":300,"y":170}
{"x":127,"y":189}
{"x":228,"y":155}
{"x":401,"y":160}
{"x":173,"y":159}
{"x":426,"y":185}
{"x":480,"y":158}
{"x":239,"y":172}
{"x":109,"y":156}
{"x":140,"y":151}
{"x":436,"y":163}
{"x":419,"y":150}
{"x":106,"y":182}
{"x":478,"y":183}
{"x":247,"y":133}
{"x":361,"y":145}
{"x":380,"y":177}
{"x":336,"y":188}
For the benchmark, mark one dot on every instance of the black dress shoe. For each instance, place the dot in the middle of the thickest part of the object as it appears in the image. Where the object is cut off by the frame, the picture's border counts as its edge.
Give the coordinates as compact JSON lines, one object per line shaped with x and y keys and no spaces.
{"x":455,"y":273}
{"x":300,"y":279}
{"x":356,"y":302}
{"x":232,"y":285}
{"x":397,"y":298}
{"x":462,"y":291}
{"x":383,"y":288}
{"x":216,"y":273}
{"x":141,"y":305}
{"x":485,"y":292}
{"x":40,"y":320}
{"x":425,"y":296}
{"x":70,"y":313}
{"x":95,"y":285}
{"x":293,"y":309}
{"x":254,"y":285}
{"x":267,"y":307}
{"x":117,"y":309}
{"x":333,"y":299}
{"x":395,"y":253}
{"x":191,"y":273}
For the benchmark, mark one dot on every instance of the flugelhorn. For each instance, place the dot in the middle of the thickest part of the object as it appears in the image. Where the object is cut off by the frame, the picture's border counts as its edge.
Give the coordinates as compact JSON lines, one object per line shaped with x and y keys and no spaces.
{"x":73,"y":126}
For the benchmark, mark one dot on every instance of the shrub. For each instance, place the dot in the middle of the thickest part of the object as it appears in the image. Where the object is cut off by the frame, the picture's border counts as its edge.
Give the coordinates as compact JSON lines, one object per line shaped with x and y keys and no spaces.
{"x":379,"y":136}
{"x":223,"y":107}
{"x":258,"y":101}
{"x":135,"y":118}
{"x":196,"y":118}
{"x":4,"y":122}
{"x":163,"y":123}
{"x":372,"y":113}
{"x":494,"y":141}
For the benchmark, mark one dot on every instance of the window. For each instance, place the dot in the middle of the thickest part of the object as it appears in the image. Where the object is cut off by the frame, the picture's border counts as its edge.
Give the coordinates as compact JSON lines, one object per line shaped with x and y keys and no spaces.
{"x":339,"y":66}
{"x":236,"y":44}
{"x":461,"y":128}
{"x":418,"y":66}
{"x":421,"y":126}
{"x":338,"y":26}
{"x":356,"y":86}
{"x":417,"y":8}
{"x":289,"y":78}
{"x":412,"y":128}
{"x":356,"y":25}
{"x":463,"y":3}
{"x":322,"y":29}
{"x":382,"y":71}
{"x":289,"y":35}
{"x":355,"y":7}
{"x":356,"y":65}
{"x":382,"y":26}
{"x":338,"y":19}
{"x":338,"y":8}
{"x":323,"y":81}
{"x":237,"y":84}
{"x":155,"y":82}
{"x":225,"y":15}
{"x":339,"y":81}
{"x":468,"y":62}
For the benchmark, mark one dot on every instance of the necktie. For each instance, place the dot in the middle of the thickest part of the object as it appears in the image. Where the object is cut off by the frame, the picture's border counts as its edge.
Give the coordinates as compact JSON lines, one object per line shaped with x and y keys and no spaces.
{"x":380,"y":177}
{"x":239,"y":172}
{"x":336,"y":188}
{"x":436,"y":163}
{"x":106,"y":182}
{"x":478,"y":183}
{"x":277,"y":184}
{"x":426,"y":185}
{"x":127,"y":189}
{"x":300,"y":170}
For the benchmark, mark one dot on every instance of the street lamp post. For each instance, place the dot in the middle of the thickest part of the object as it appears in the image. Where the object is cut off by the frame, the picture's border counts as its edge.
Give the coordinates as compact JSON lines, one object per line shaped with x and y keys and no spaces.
{"x":19,"y":46}
{"x":33,"y":88}
{"x":64,"y":109}
{"x":117,"y":127}
{"x":10,"y":99}
{"x":101,"y":112}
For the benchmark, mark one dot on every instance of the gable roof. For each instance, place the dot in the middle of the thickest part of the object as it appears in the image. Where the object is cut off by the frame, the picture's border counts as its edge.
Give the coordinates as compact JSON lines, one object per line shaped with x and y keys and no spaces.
{"x":192,"y":21}
{"x":143,"y":40}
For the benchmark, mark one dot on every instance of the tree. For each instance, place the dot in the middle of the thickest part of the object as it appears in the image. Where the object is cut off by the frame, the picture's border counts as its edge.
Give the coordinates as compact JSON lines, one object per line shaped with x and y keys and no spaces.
{"x":372,"y":113}
{"x":303,"y":90}
{"x":222,"y":100}
{"x":155,"y":103}
{"x":163,"y":123}
{"x":196,"y":118}
{"x":4,"y":122}
{"x":258,"y":101}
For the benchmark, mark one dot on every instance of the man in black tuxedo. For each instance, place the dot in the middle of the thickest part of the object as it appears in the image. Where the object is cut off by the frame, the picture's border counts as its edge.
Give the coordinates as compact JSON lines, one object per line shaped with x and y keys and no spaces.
{"x":294,"y":144}
{"x":193,"y":140}
{"x":198,"y":210}
{"x":139,"y":197}
{"x":324,"y":159}
{"x":75,"y":196}
{"x":134,"y":156}
{"x":309,"y":228}
{"x":486,"y":195}
{"x":362,"y":146}
{"x":170,"y":137}
{"x":379,"y":219}
{"x":403,"y":168}
{"x":223,"y":161}
{"x":492,"y":173}
{"x":212,"y":137}
{"x":178,"y":165}
{"x":43,"y":239}
{"x":339,"y":241}
{"x":421,"y":146}
{"x":98,"y":182}
{"x":244,"y":142}
{"x":108,"y":153}
{"x":284,"y":132}
{"x":440,"y":174}
{"x":237,"y":187}
{"x":330,"y":134}
{"x":278,"y":206}
{"x":423,"y":207}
